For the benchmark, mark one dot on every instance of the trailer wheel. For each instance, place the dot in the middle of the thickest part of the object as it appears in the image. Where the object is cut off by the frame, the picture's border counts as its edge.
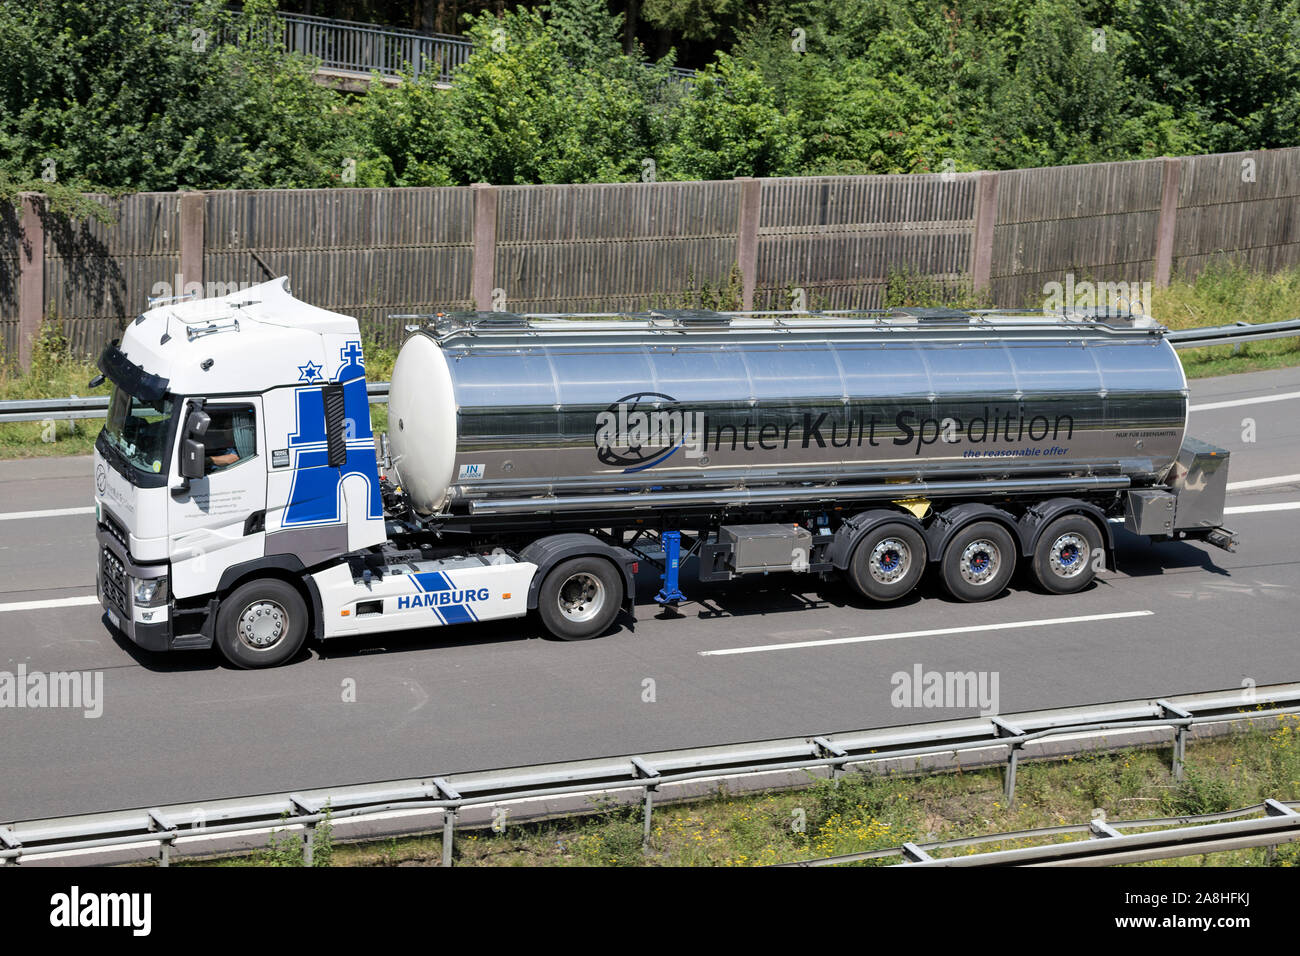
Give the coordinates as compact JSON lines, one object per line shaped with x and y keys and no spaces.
{"x":261,"y":624}
{"x":979,"y":561}
{"x":1064,"y":554}
{"x":888,"y":562}
{"x":580,"y":598}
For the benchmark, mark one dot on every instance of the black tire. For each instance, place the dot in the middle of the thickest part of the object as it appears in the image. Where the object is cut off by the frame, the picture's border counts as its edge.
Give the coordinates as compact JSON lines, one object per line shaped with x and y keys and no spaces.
{"x":888,"y":562}
{"x":261,"y":624}
{"x":979,"y":561}
{"x":1064,"y":554}
{"x":580,"y":598}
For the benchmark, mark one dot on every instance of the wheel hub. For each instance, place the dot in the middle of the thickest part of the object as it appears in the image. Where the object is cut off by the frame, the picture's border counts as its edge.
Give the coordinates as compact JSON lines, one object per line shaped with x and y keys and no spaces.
{"x":262,"y":624}
{"x":890,"y":560}
{"x":1069,"y":556}
{"x":581,"y":597}
{"x":980,"y":561}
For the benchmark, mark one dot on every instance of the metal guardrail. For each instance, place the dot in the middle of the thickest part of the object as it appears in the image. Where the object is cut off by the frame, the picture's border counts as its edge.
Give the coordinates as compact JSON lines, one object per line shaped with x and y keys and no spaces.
{"x":450,"y":794}
{"x":96,"y":406}
{"x":1107,"y":845}
{"x":1232,"y":334}
{"x":62,"y":409}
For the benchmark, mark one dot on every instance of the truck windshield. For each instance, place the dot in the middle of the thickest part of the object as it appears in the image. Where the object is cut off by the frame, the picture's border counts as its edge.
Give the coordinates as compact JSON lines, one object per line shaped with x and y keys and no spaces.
{"x":140,"y":430}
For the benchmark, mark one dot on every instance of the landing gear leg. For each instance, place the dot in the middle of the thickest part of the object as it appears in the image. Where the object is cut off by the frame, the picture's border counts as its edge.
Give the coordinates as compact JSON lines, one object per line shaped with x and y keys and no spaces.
{"x":670,"y":593}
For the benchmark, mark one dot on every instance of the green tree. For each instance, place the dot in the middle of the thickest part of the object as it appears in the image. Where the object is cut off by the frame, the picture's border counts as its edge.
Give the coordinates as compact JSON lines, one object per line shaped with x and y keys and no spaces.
{"x":584,"y":30}
{"x":137,"y":94}
{"x":729,"y":125}
{"x":1233,"y":65}
{"x":695,"y":19}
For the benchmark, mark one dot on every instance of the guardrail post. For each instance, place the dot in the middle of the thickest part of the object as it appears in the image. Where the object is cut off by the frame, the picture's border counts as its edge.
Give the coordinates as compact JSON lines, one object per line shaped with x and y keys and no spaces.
{"x":157,"y":823}
{"x":1275,"y":808}
{"x":31,"y":276}
{"x":751,"y":194}
{"x":1006,"y":730}
{"x":824,"y":748}
{"x":1164,"y":255}
{"x":445,"y":791}
{"x":644,"y":771}
{"x":448,"y":833}
{"x":485,"y":245}
{"x":8,"y":841}
{"x":1180,"y":735}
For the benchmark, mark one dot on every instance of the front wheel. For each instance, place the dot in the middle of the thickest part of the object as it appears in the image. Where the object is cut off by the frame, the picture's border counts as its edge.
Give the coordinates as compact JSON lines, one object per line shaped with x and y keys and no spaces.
{"x":261,"y":624}
{"x":580,"y":598}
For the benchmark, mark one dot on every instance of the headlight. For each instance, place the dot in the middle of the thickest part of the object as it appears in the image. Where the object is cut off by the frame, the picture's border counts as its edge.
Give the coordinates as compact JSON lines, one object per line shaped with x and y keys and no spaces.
{"x":149,"y":592}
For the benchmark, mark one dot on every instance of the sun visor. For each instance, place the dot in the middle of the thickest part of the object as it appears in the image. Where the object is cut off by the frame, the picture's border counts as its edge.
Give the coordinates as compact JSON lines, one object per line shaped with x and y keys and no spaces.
{"x":129,"y":376}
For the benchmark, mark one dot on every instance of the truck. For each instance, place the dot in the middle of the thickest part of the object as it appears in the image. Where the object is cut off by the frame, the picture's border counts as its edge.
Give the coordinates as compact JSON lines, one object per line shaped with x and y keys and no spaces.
{"x":532,"y":463}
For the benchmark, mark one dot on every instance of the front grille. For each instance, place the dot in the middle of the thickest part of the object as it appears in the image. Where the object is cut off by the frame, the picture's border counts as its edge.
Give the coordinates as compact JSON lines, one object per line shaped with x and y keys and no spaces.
{"x":113,"y":578}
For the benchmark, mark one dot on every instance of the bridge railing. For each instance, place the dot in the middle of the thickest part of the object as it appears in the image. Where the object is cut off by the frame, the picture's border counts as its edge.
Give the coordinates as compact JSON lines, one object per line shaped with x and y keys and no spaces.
{"x":347,"y":46}
{"x":365,"y":48}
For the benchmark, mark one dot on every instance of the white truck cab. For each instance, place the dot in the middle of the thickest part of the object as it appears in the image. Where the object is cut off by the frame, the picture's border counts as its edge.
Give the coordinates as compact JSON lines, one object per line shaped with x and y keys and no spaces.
{"x":237,"y":490}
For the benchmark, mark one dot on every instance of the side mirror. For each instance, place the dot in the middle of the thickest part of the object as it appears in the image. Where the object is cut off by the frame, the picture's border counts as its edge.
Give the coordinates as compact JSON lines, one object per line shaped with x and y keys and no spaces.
{"x":192,"y":458}
{"x":196,"y":424}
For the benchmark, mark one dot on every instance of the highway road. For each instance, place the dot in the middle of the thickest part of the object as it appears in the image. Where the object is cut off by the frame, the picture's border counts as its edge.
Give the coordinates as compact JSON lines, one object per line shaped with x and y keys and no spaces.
{"x":186,"y":727}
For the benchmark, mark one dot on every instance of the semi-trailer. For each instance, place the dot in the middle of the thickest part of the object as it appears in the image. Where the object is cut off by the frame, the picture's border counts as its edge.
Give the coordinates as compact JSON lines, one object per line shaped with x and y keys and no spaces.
{"x":532,"y":462}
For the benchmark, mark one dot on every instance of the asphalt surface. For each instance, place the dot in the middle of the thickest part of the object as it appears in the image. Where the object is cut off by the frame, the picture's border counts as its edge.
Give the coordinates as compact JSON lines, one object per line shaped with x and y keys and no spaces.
{"x":187,"y":727}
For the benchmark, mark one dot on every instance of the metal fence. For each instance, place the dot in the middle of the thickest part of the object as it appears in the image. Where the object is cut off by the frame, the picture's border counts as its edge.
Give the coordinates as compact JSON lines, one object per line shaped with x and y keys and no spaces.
{"x":194,"y":825}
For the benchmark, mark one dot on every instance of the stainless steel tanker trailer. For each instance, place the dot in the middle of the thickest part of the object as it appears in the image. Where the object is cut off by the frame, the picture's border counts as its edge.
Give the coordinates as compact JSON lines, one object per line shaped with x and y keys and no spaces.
{"x":872,"y":445}
{"x":532,"y":463}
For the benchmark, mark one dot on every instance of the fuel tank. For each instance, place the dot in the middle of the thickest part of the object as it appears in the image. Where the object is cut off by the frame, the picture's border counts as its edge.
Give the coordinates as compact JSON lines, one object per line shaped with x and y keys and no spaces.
{"x":496,"y":407}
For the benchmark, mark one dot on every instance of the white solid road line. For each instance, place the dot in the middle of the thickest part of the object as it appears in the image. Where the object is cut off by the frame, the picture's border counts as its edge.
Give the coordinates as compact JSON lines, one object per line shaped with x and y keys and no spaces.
{"x":52,"y":513}
{"x":1244,"y":401}
{"x":51,"y":603}
{"x":1248,"y":509}
{"x":934,"y":632}
{"x":1263,"y":482}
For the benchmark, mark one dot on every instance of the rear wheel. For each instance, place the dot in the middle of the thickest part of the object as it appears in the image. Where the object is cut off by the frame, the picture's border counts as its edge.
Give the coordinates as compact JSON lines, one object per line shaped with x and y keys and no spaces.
{"x":1064,"y":555}
{"x":979,"y":561}
{"x":261,"y":624}
{"x":580,"y":598}
{"x":888,"y":562}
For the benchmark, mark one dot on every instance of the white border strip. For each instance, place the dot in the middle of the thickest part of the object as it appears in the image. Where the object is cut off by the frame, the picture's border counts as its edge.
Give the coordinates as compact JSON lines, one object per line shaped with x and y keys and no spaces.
{"x":1263,"y":482}
{"x":1244,"y":401}
{"x":1249,"y":509}
{"x":51,"y":603}
{"x":934,"y":632}
{"x":52,"y":513}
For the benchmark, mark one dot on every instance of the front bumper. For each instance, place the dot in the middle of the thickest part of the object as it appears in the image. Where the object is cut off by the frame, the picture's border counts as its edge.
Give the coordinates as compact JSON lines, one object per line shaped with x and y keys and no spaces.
{"x":147,"y":627}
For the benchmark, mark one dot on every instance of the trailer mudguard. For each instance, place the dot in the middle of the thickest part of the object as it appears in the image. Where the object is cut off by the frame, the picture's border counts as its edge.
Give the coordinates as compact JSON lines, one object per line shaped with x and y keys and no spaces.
{"x":1033,"y":521}
{"x":847,"y":536}
{"x":948,"y":522}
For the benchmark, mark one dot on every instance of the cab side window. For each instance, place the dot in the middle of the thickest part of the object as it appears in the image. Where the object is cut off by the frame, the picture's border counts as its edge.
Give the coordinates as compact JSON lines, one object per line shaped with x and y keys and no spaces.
{"x":231,"y":437}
